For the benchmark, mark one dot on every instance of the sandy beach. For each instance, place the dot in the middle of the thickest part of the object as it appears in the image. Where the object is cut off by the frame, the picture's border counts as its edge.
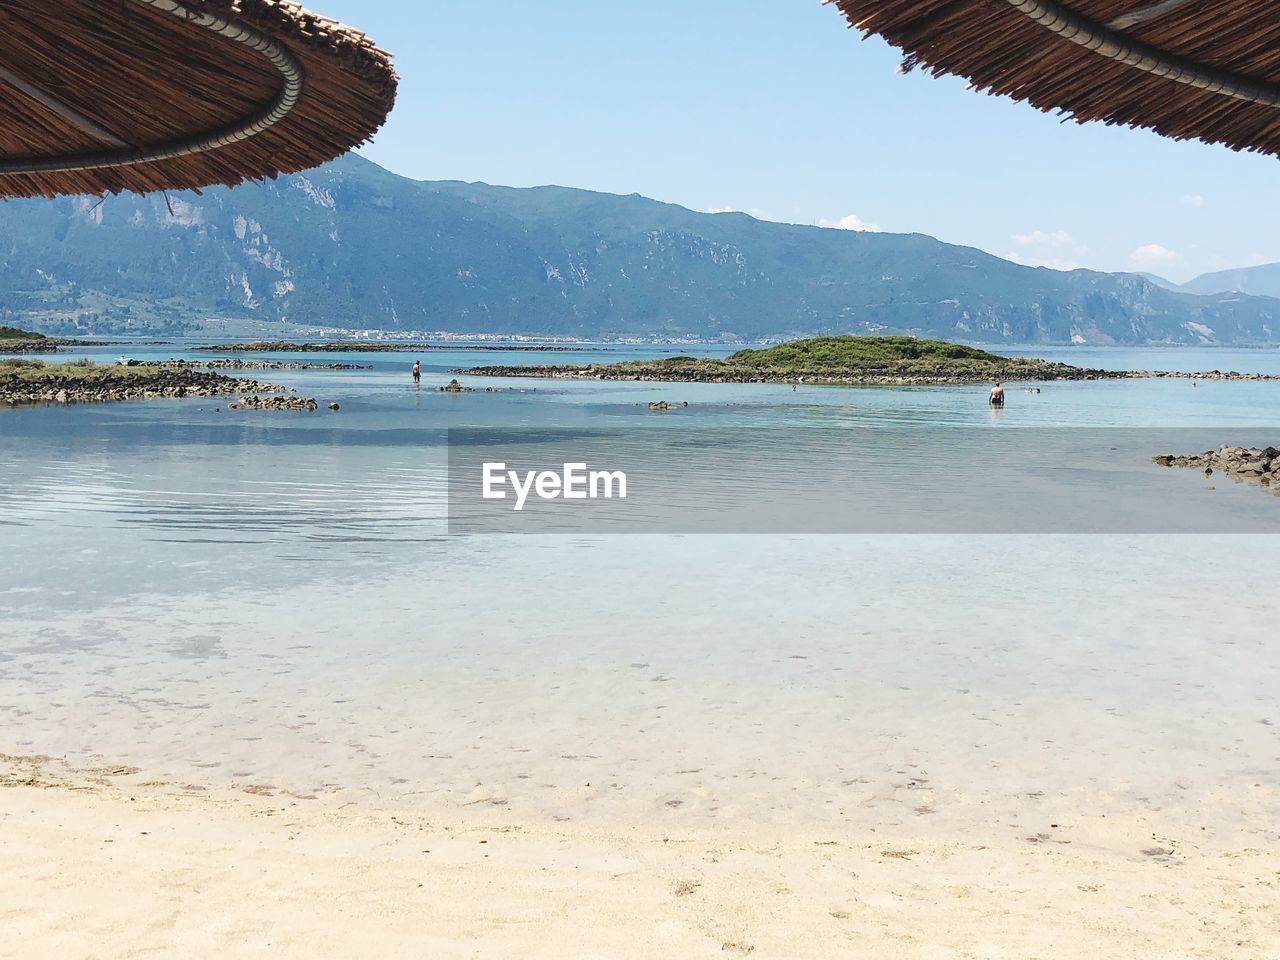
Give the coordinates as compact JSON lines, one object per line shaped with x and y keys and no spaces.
{"x":1039,"y":779}
{"x":110,"y":863}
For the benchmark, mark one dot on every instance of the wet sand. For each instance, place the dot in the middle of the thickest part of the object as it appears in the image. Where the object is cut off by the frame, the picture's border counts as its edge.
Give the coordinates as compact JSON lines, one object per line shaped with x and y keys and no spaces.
{"x":111,"y":862}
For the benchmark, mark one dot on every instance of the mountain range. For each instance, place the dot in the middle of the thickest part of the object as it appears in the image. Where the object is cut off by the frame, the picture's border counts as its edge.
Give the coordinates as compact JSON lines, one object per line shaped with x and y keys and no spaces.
{"x":352,"y":245}
{"x":1259,"y":281}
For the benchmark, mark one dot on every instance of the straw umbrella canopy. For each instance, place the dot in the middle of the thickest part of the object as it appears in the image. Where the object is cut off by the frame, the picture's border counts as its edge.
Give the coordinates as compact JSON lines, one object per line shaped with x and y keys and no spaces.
{"x":102,"y":96}
{"x":1207,"y":70}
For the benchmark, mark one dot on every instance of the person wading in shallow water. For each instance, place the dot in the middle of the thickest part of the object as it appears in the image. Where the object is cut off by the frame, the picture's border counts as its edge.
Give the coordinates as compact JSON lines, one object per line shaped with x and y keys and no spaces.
{"x":997,"y":396}
{"x":417,"y":372}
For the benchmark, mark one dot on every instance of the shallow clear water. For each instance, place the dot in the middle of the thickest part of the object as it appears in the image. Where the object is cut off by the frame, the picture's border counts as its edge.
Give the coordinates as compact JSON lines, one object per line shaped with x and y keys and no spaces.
{"x":274,"y":598}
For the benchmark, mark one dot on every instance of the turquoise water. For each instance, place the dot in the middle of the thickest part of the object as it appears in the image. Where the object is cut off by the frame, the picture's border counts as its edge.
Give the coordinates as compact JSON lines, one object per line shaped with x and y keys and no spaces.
{"x":274,"y":598}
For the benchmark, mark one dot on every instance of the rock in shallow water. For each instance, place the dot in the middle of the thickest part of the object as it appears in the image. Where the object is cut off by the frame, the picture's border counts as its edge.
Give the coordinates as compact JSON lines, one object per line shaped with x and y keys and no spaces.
{"x":299,"y":404}
{"x":1256,"y":465}
{"x":667,"y":405}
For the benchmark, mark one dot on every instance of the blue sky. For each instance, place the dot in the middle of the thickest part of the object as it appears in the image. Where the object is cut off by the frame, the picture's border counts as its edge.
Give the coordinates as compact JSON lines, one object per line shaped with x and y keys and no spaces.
{"x":775,"y":108}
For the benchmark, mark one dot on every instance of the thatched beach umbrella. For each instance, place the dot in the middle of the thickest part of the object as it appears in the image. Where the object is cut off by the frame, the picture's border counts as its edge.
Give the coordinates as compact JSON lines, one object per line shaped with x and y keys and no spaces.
{"x":108,"y":95}
{"x":1202,"y":69}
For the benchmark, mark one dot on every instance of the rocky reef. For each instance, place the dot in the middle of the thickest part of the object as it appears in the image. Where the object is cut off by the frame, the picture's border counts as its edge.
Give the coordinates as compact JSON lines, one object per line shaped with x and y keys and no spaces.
{"x":295,"y":404}
{"x":20,"y":347}
{"x":35,"y":382}
{"x":1255,"y":465}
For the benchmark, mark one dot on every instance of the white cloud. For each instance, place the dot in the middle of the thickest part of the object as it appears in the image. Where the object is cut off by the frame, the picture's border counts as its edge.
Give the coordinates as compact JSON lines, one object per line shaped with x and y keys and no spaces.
{"x":1053,"y":263}
{"x":850,"y":222}
{"x":1055,"y":249}
{"x":1040,"y":238}
{"x":1057,"y":238}
{"x":1192,"y":200}
{"x":1153,"y":257}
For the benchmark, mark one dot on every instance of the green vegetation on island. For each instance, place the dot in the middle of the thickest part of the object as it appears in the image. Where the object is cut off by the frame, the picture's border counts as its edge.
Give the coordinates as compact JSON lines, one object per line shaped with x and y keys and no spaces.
{"x":878,"y":355}
{"x":849,"y":360}
{"x":13,"y":333}
{"x":16,"y":340}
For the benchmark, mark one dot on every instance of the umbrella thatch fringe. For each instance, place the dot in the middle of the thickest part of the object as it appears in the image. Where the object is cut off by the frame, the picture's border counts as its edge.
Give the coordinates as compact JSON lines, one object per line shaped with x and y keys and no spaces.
{"x":150,"y":78}
{"x":1005,"y":52}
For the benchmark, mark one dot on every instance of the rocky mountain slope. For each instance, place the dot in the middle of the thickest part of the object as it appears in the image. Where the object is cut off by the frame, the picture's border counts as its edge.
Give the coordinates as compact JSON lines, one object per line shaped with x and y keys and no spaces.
{"x":352,"y":245}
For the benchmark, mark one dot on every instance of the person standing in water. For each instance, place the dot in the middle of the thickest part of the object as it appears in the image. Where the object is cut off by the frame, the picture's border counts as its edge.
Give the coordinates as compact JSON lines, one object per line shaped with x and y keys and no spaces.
{"x":417,"y":372}
{"x":997,"y":396}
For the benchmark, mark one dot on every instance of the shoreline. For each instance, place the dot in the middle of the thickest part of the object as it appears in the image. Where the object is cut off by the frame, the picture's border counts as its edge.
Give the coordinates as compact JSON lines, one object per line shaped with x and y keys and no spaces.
{"x":51,"y":345}
{"x":96,"y":856}
{"x":238,"y":364}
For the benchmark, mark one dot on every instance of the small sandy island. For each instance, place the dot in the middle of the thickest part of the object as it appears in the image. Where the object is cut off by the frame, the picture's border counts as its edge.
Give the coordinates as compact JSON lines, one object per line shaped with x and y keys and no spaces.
{"x":111,"y":863}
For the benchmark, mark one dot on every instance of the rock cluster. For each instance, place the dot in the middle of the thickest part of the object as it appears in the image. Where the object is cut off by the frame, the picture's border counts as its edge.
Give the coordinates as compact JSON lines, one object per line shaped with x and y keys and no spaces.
{"x":298,"y":404}
{"x":453,"y":386}
{"x":54,"y":344}
{"x":51,"y":386}
{"x":1242,"y":464}
{"x":665,"y":405}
